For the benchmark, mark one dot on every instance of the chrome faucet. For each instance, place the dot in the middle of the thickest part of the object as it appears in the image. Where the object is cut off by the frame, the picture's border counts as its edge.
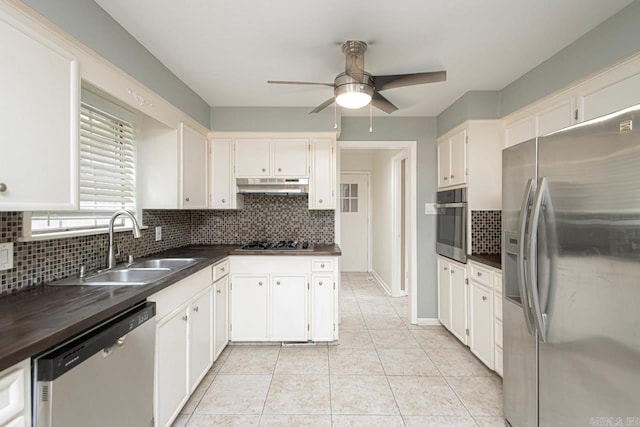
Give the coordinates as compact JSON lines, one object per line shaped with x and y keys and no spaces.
{"x":136,"y":234}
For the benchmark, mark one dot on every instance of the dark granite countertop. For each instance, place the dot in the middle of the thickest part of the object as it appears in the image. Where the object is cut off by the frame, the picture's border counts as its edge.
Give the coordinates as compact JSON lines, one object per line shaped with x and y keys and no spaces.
{"x":492,"y":260}
{"x":38,"y":318}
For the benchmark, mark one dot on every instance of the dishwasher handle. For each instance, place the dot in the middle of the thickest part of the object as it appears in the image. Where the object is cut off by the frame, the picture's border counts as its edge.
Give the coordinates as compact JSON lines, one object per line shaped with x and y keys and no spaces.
{"x":70,"y":354}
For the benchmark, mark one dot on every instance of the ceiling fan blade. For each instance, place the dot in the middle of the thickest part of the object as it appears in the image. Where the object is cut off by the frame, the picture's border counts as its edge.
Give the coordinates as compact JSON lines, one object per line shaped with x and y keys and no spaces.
{"x":383,"y":103}
{"x":286,"y":82}
{"x":322,"y":106}
{"x":401,"y":80}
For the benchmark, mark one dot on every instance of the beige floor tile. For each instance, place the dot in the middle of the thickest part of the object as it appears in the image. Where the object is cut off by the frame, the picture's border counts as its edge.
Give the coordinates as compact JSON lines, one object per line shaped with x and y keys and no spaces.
{"x":195,"y":398}
{"x":481,"y":395}
{"x":362,"y":395}
{"x":367,"y":421}
{"x":251,"y":360}
{"x":181,"y":420}
{"x":349,"y":308}
{"x":398,"y":338}
{"x":435,"y":338}
{"x":490,"y":421}
{"x":235,"y":395}
{"x":298,"y":394}
{"x":353,"y":338}
{"x":295,"y":421}
{"x":386,"y":322}
{"x":435,"y":421}
{"x":456,"y":363}
{"x":351,"y":321}
{"x":207,"y":420}
{"x":425,"y":396}
{"x":303,"y":361}
{"x":354,"y":361}
{"x":407,"y":361}
{"x":377,"y":309}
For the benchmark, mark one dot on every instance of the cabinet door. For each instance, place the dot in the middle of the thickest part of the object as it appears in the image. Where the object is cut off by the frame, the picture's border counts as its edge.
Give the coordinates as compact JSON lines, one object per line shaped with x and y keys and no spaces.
{"x":556,"y":118}
{"x":458,"y":170}
{"x":444,"y":293}
{"x":444,"y":162}
{"x":481,"y":324}
{"x":522,"y":130}
{"x":458,"y":302}
{"x":322,"y":316}
{"x":172,"y":388}
{"x":249,"y":307}
{"x":194,"y":168}
{"x":222,"y":174}
{"x":609,"y":98}
{"x":290,"y":158}
{"x":15,"y":394}
{"x":200,"y":336}
{"x":221,"y":313}
{"x":39,"y":118}
{"x":253,"y":158}
{"x":289,"y":303}
{"x":323,"y":175}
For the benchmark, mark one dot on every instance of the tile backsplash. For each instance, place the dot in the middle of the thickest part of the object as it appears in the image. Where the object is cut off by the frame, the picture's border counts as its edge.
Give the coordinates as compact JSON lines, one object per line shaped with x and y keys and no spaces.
{"x":263,"y":217}
{"x":486,"y":229}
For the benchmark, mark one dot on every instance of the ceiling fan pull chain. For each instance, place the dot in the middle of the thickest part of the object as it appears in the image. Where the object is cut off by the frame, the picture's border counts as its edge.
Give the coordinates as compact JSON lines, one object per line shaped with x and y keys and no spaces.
{"x":370,"y":118}
{"x":335,"y":115}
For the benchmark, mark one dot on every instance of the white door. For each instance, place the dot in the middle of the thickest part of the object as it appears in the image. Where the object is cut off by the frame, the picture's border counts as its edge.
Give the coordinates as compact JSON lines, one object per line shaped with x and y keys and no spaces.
{"x":354,"y":213}
{"x":200,"y":335}
{"x":458,"y":170}
{"x":194,"y":169}
{"x":249,"y":307}
{"x":322,"y":179}
{"x":221,"y":174}
{"x":290,"y":157}
{"x":253,"y":158}
{"x":444,"y":162}
{"x":289,"y":320}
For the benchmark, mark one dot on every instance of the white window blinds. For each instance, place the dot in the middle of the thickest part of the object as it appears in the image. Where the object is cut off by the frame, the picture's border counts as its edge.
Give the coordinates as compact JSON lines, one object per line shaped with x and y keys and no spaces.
{"x":107,"y":160}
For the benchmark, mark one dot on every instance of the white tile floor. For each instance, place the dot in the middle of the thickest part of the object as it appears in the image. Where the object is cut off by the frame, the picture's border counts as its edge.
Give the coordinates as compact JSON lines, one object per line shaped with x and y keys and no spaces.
{"x":384,"y":372}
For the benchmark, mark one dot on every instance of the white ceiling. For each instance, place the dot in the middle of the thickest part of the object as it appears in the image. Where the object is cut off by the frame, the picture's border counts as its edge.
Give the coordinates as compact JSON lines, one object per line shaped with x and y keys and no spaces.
{"x":227,"y":50}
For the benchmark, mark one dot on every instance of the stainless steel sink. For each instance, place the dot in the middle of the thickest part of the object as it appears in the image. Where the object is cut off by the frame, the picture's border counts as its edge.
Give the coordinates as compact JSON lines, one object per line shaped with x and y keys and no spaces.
{"x":128,"y":276}
{"x":172,"y":263}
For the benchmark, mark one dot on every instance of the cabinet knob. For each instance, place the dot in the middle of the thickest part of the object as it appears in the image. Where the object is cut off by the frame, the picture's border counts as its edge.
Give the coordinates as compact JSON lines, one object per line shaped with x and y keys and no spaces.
{"x":185,"y":318}
{"x":196,"y":308}
{"x":319,"y":283}
{"x":479,"y":274}
{"x":453,"y":176}
{"x":224,"y":201}
{"x":219,"y":291}
{"x":484,"y":298}
{"x":453,"y":271}
{"x":221,"y":268}
{"x":446,"y":178}
{"x":445,"y":269}
{"x":264,"y":170}
{"x":320,"y":201}
{"x":279,"y":169}
{"x":259,"y":283}
{"x":186,"y":200}
{"x":3,"y":187}
{"x":321,"y":265}
{"x":278,"y":283}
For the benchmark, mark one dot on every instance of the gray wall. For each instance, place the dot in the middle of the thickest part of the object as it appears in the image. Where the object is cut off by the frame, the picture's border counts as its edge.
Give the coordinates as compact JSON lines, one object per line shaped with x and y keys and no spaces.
{"x":91,"y":25}
{"x":276,"y":119}
{"x":422,"y":130}
{"x":476,"y":104}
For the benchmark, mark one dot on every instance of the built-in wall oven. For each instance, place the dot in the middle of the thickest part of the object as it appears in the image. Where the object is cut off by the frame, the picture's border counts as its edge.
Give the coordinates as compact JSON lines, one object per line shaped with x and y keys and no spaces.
{"x":451,"y":238}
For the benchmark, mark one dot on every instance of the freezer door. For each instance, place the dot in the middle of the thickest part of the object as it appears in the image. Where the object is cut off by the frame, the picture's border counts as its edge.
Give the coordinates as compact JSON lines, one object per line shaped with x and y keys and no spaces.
{"x":519,"y":342}
{"x":589,"y":274}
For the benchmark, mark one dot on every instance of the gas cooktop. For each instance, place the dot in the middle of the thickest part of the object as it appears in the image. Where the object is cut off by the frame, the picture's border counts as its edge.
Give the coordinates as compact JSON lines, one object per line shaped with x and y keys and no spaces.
{"x":282,"y":245}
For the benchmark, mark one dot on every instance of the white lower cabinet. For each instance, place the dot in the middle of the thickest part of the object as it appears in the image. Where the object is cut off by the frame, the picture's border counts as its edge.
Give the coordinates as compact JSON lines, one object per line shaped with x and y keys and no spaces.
{"x":452,"y":297}
{"x":481,"y":322}
{"x":15,"y":395}
{"x":322,"y":312}
{"x":249,"y":307}
{"x":444,"y":293}
{"x":288,"y":314}
{"x":183,"y":342}
{"x":221,"y":316}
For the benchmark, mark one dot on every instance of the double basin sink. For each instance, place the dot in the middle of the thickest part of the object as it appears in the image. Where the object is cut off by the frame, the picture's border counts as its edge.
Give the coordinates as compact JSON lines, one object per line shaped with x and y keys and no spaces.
{"x":136,"y":274}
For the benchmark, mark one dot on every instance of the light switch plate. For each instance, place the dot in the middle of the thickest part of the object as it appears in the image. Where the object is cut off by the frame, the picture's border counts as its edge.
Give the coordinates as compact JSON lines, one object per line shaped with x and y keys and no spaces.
{"x":6,"y":256}
{"x":158,"y":233}
{"x":430,"y":209}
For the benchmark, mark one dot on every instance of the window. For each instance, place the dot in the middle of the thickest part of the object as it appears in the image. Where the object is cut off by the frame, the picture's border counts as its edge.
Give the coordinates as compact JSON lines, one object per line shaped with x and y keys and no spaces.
{"x":107,"y":160}
{"x":349,"y":198}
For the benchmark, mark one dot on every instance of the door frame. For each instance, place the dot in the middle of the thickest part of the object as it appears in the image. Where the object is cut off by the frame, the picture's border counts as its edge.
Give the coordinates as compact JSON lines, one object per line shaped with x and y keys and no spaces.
{"x":396,"y":226}
{"x":369,"y":207}
{"x":412,"y":201}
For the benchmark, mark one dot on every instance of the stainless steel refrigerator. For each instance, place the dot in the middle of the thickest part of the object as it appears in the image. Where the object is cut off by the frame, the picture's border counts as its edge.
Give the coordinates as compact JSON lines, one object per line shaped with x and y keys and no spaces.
{"x":571,"y":282}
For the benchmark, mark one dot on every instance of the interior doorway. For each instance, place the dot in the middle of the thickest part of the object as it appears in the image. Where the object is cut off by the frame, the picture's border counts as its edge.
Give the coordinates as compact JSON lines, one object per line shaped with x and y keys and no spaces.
{"x":354,"y":217}
{"x":400,"y":220}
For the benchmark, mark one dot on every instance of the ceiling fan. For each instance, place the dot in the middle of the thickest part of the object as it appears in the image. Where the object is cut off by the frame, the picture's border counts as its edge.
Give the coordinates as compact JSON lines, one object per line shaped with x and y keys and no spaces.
{"x":356,"y":88}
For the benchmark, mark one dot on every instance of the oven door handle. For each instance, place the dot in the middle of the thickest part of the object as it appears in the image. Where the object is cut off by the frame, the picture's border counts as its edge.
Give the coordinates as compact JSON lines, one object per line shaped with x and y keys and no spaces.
{"x":450,"y":205}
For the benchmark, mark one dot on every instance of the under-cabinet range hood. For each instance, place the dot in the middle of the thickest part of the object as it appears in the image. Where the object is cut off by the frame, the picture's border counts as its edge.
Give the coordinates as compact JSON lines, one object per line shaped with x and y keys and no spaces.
{"x":273,"y":185}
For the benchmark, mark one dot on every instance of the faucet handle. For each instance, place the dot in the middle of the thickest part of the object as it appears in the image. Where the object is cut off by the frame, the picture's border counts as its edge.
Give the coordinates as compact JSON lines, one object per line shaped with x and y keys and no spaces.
{"x":130,"y":260}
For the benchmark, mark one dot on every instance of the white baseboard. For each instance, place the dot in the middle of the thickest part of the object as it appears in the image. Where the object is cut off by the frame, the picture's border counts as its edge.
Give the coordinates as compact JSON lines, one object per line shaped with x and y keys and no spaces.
{"x":428,"y":321}
{"x":386,"y":287}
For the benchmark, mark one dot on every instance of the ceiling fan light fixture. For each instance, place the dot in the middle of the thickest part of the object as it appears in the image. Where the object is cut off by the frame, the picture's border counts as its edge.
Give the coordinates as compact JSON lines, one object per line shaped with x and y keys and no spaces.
{"x":353,"y":95}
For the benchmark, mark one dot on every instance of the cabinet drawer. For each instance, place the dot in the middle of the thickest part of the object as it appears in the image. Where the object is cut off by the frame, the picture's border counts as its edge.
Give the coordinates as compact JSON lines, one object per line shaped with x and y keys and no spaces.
{"x":13,"y":391}
{"x":498,"y":356}
{"x":497,"y":306}
{"x":481,"y":275}
{"x":497,"y":282}
{"x":322,"y":265}
{"x":498,"y":332}
{"x":220,"y":270}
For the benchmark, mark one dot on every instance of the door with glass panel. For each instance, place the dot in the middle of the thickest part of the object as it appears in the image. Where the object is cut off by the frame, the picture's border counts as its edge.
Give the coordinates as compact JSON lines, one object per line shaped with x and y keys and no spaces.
{"x":354,"y":227}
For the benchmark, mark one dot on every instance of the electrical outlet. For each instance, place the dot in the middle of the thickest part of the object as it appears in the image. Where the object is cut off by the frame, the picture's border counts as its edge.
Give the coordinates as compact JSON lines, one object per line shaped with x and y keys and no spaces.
{"x":6,"y":256}
{"x":158,"y":233}
{"x":430,"y":209}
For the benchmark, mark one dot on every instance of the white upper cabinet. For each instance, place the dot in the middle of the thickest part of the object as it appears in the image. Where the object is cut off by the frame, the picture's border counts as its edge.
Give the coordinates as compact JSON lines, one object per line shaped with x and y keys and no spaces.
{"x":253,"y":158}
{"x":609,"y":96}
{"x":39,"y":117}
{"x":194,"y":168}
{"x":223,"y":182}
{"x":556,"y":118}
{"x":277,"y":158}
{"x":452,"y":160}
{"x":522,"y":130}
{"x":323,"y":174}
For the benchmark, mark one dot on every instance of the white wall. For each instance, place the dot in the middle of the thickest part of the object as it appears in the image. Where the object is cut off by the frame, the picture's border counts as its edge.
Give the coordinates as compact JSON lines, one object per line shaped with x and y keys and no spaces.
{"x":356,"y":160}
{"x":382,"y":184}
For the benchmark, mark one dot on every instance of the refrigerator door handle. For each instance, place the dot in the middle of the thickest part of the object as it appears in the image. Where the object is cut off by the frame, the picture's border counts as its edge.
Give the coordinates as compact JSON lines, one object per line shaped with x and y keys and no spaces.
{"x":522,"y":224}
{"x":532,"y":270}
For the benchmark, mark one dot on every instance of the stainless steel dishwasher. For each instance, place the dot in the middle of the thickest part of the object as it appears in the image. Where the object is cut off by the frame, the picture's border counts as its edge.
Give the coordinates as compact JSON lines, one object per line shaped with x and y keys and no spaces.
{"x":103,"y":377}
